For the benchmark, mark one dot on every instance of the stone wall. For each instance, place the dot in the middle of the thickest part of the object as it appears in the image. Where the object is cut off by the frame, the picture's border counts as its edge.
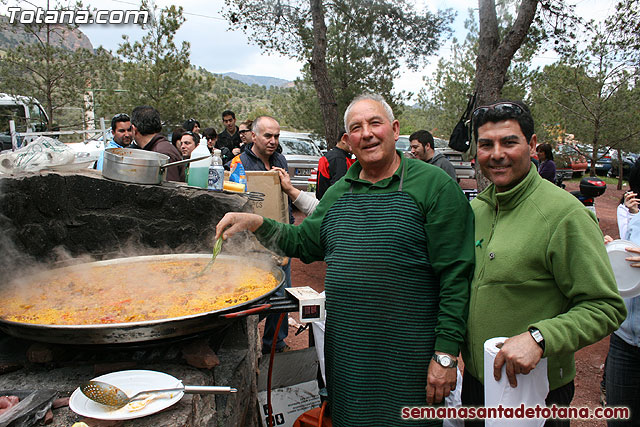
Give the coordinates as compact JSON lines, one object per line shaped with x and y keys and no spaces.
{"x":83,"y":213}
{"x":238,"y":367}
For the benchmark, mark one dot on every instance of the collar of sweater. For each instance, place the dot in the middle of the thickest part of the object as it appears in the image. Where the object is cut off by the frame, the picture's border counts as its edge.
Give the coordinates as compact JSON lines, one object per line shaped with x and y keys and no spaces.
{"x":510,"y":199}
{"x":153,"y":142}
{"x":435,"y":157}
{"x":272,"y":159}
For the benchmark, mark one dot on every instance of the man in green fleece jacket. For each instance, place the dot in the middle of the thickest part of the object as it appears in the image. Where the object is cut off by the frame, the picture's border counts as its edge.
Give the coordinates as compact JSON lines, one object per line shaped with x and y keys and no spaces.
{"x":397,"y":236}
{"x":542,"y":275}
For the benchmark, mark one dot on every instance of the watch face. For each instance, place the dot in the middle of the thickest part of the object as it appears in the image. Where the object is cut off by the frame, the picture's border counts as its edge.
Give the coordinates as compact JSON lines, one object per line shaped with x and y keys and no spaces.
{"x":537,"y":336}
{"x":446,"y":361}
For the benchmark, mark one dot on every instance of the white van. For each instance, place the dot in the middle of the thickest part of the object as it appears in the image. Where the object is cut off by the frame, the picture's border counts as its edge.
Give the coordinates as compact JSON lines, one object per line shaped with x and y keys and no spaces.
{"x":28,"y":115}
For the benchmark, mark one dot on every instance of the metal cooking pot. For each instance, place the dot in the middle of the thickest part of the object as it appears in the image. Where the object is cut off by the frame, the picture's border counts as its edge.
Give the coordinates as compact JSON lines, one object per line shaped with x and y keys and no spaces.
{"x":138,"y":166}
{"x":116,"y":333}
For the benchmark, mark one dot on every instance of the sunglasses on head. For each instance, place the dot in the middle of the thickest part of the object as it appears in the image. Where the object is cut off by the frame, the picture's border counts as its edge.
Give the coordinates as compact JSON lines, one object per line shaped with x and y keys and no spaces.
{"x":499,"y":107}
{"x":121,"y":116}
{"x":188,"y":133}
{"x":244,"y":130}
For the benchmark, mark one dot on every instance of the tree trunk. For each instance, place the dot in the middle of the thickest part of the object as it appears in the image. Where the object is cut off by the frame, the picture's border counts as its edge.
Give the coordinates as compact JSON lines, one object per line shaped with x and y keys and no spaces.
{"x":49,"y":88}
{"x":620,"y":172}
{"x":320,"y":75}
{"x":594,"y":156}
{"x":494,"y":56}
{"x":595,"y":143}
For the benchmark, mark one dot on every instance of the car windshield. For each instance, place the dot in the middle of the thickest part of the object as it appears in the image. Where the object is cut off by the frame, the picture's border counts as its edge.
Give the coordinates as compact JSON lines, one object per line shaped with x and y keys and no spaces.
{"x":440,"y":143}
{"x":295,"y":146}
{"x":403,"y":144}
{"x":15,"y":113}
{"x":320,"y":142}
{"x":567,"y":149}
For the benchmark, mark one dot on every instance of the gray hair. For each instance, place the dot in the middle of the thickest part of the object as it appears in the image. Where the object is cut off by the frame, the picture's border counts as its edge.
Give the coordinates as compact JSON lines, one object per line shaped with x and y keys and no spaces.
{"x":255,"y":126}
{"x":372,"y":97}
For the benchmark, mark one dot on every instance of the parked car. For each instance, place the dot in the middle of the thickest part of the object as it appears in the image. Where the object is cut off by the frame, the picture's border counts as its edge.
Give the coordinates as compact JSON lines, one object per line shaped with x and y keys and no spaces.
{"x":28,"y":115}
{"x":403,"y":144}
{"x":627,"y":163}
{"x":464,"y":170}
{"x":569,"y":161}
{"x":603,"y":163}
{"x":302,"y":157}
{"x":320,"y":141}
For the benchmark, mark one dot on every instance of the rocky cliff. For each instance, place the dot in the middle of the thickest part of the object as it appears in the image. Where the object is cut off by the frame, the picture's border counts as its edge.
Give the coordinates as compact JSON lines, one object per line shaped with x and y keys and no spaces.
{"x":11,"y":35}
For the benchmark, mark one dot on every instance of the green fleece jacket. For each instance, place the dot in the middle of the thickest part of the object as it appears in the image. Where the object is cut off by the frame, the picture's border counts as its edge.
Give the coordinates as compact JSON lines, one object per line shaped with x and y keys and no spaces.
{"x":540,"y":262}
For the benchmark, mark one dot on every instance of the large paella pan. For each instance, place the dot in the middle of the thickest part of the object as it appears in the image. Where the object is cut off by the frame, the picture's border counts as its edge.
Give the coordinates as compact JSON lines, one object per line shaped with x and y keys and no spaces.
{"x":133,"y":299}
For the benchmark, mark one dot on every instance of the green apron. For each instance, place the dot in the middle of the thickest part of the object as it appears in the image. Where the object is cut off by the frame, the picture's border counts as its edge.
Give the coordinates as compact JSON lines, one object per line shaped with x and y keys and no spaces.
{"x":382,"y":300}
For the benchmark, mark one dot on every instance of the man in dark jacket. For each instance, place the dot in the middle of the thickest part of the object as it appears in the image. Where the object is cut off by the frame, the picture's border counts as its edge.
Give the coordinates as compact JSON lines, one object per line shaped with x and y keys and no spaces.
{"x":262,"y":155}
{"x":333,"y":165}
{"x":229,"y":137}
{"x":146,"y":126}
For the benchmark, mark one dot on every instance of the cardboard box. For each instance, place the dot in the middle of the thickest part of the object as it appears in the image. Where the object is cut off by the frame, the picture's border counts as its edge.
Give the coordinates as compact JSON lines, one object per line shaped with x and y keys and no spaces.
{"x":276,"y":203}
{"x":294,"y":386}
{"x":289,"y":403}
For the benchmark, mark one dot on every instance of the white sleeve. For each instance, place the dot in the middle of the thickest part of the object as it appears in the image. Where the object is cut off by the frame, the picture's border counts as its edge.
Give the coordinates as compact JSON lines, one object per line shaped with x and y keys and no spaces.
{"x":624,"y":216}
{"x":306,"y":202}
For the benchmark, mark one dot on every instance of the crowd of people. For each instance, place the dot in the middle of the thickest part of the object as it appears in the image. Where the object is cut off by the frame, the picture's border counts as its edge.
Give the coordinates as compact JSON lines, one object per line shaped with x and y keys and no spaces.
{"x":433,"y":275}
{"x":231,"y":142}
{"x":234,"y":140}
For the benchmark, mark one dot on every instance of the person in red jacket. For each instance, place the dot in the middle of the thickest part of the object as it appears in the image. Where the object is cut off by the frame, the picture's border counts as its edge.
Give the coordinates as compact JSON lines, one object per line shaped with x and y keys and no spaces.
{"x":333,"y":165}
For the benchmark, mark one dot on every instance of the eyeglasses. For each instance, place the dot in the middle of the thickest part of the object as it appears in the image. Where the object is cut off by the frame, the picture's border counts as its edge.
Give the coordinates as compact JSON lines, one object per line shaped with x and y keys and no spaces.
{"x":500,"y":108}
{"x":121,"y":116}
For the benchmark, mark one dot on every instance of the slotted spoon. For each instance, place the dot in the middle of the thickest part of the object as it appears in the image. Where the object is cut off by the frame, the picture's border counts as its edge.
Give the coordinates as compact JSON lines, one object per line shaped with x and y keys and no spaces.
{"x":111,"y":395}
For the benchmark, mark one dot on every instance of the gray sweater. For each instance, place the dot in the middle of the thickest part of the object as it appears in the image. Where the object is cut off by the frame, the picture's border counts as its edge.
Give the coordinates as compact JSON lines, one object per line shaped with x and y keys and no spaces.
{"x":443,"y":163}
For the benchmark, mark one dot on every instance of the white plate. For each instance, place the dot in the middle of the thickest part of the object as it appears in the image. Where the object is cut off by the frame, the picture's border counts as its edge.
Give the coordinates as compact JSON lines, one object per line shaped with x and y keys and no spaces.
{"x":627,"y":277}
{"x":131,"y":382}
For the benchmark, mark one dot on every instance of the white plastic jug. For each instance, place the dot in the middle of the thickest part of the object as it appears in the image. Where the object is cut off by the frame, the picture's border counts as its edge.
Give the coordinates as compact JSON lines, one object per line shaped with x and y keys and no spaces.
{"x":199,"y":170}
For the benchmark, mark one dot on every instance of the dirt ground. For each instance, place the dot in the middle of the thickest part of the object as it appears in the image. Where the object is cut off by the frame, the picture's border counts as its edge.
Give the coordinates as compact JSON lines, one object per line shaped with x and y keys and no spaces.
{"x":589,"y":360}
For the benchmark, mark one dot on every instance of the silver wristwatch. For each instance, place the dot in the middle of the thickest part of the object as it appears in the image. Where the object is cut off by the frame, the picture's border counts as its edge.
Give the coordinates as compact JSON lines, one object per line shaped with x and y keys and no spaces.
{"x":445,"y":361}
{"x":537,"y":337}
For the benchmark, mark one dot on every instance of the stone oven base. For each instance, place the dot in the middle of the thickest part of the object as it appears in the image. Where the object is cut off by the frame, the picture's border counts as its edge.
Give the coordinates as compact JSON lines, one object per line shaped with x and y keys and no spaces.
{"x":47,"y":217}
{"x":238,"y":368}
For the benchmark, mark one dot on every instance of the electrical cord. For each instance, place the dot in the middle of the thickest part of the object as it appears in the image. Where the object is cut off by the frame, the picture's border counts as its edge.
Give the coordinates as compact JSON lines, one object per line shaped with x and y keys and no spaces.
{"x":271,"y":356}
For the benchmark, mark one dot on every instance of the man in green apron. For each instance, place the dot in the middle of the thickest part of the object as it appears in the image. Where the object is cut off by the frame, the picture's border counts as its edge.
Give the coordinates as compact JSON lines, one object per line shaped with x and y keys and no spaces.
{"x":397,"y":237}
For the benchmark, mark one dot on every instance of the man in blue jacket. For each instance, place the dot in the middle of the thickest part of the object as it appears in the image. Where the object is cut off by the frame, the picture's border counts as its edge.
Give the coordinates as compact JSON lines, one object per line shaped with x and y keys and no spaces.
{"x":122,"y":135}
{"x":262,"y":155}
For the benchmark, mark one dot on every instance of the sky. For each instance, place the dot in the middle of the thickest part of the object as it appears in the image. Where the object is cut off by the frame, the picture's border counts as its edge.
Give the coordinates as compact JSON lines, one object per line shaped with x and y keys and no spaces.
{"x":218,"y":49}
